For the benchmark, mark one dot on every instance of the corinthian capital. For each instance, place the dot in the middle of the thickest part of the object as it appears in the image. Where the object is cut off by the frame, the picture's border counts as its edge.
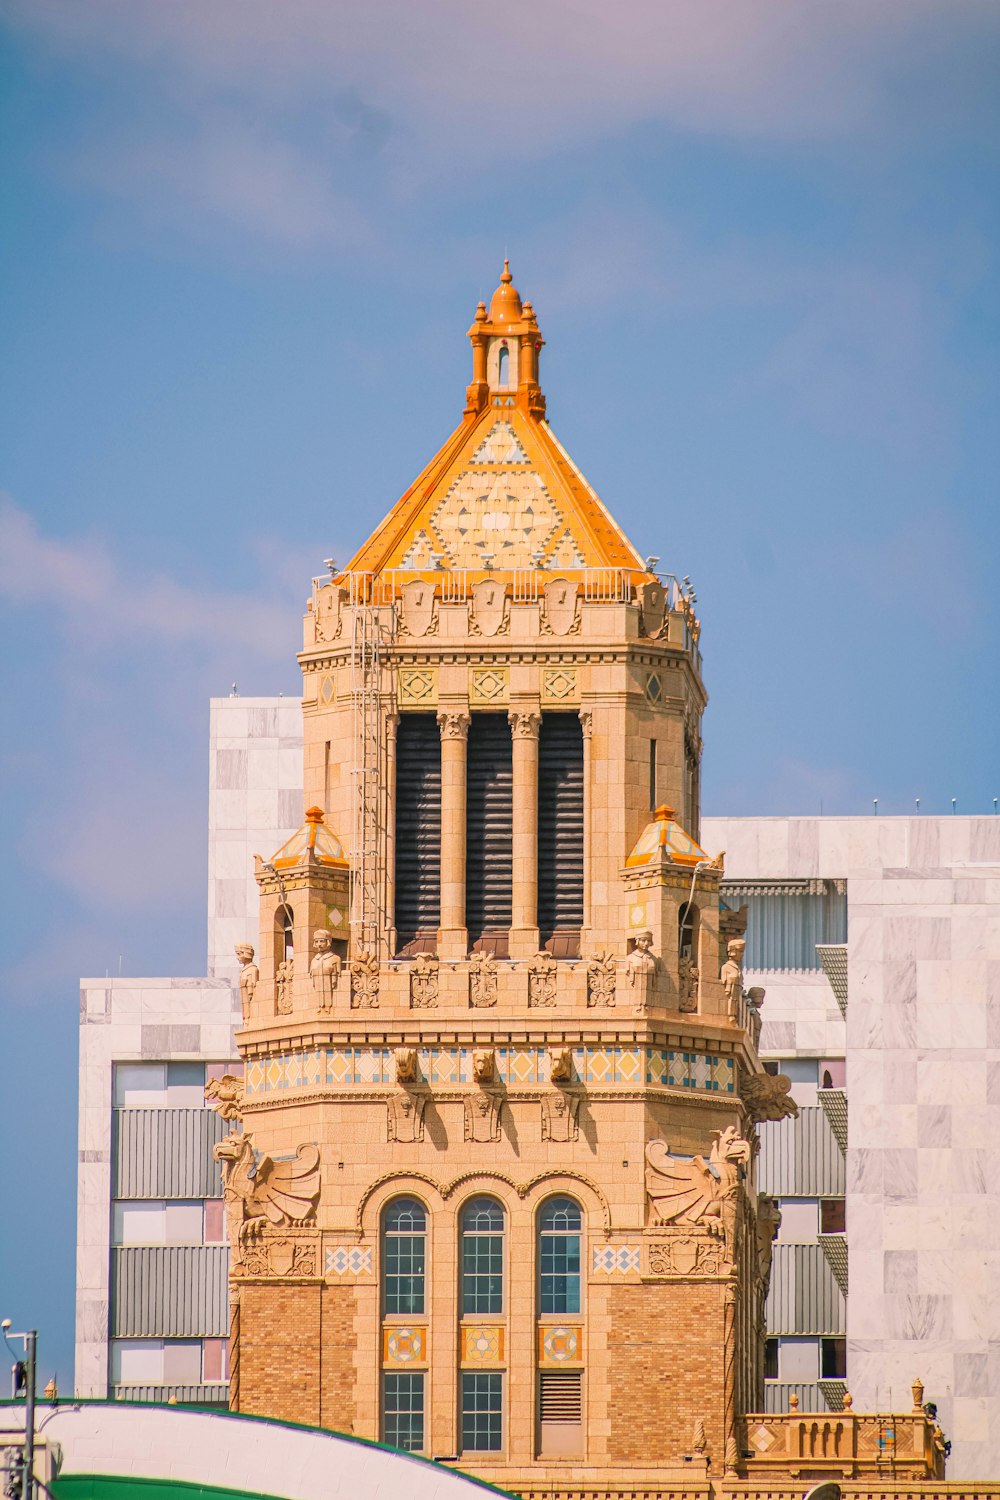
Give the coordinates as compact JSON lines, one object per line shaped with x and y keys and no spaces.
{"x":454,"y":726}
{"x":524,"y":725}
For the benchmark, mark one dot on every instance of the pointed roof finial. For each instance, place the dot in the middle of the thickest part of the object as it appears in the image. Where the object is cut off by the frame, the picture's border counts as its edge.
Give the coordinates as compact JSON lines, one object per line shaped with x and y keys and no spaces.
{"x":505,"y":306}
{"x":505,"y":273}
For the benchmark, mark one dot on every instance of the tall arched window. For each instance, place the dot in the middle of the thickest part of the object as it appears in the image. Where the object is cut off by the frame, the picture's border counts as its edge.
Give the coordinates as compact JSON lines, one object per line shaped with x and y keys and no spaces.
{"x":404,"y":1257}
{"x":559,"y":1232}
{"x":503,"y":367}
{"x":687,"y":930}
{"x":404,"y":1269}
{"x":284,"y":934}
{"x":482,"y":1256}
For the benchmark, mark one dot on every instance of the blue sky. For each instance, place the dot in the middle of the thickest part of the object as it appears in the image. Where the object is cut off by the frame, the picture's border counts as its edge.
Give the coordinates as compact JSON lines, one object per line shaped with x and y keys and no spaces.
{"x":242,"y":247}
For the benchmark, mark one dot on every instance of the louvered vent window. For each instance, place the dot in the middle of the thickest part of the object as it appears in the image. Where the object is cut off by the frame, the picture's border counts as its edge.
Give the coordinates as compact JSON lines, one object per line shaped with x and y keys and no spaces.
{"x":489,"y":833}
{"x":786,"y":920}
{"x":418,"y":833}
{"x":560,"y":1396}
{"x":560,"y":834}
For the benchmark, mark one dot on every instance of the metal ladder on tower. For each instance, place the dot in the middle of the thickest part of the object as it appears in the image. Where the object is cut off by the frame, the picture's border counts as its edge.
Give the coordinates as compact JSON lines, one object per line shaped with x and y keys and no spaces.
{"x":367,"y":884}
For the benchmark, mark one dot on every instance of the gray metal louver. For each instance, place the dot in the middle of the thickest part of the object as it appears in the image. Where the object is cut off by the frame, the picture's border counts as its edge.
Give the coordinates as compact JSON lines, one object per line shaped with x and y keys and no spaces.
{"x":801,"y":1158}
{"x":170,"y":1291}
{"x":166,"y":1153}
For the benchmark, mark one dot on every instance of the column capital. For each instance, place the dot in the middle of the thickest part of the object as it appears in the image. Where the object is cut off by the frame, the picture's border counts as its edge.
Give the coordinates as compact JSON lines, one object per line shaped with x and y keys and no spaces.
{"x":524,"y":723}
{"x":454,"y":725}
{"x":587,"y":720}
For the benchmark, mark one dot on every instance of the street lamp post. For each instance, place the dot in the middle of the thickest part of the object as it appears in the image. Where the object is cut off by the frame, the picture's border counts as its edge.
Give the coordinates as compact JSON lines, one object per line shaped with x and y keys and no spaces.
{"x":24,"y":1370}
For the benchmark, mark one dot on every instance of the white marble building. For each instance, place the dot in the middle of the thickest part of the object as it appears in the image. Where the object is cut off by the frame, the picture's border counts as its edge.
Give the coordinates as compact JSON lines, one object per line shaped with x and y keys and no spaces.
{"x":922,"y":1047}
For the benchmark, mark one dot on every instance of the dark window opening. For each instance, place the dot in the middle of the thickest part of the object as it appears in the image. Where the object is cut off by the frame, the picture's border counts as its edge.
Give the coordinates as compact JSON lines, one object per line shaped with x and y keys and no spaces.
{"x":770,"y":1359}
{"x":833,"y":1359}
{"x":560,"y":834}
{"x":418,"y":833}
{"x":833,"y":1216}
{"x":284,"y":934}
{"x":489,"y":824}
{"x":687,"y":926}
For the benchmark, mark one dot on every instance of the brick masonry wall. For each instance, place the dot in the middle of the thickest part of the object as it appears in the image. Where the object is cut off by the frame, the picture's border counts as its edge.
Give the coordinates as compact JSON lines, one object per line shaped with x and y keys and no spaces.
{"x":665,"y":1362}
{"x":338,"y":1406}
{"x":280,"y":1333}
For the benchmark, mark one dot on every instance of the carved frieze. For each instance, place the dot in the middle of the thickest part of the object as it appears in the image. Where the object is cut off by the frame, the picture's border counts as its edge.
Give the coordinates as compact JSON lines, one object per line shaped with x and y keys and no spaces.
{"x":482,"y":980}
{"x":424,"y":981}
{"x":685,"y":1255}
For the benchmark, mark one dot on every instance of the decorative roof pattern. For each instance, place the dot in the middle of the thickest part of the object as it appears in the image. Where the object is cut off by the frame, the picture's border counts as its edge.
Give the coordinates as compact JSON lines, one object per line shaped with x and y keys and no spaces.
{"x":663,"y":834}
{"x":314,"y":839}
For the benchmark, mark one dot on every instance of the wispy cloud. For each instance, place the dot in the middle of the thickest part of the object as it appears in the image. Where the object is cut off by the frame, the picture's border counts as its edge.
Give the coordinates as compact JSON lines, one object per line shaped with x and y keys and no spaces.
{"x":100,"y":599}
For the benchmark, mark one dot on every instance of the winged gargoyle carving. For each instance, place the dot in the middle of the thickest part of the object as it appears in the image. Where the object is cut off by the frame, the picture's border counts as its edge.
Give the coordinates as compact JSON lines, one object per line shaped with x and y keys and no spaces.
{"x":768,"y":1096}
{"x":258,"y":1193}
{"x":225,"y":1095}
{"x":691,"y":1191}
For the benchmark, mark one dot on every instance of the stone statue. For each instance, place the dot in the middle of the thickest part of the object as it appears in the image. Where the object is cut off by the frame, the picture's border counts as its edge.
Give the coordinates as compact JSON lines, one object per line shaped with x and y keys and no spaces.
{"x":284,"y":976}
{"x":324,"y":970}
{"x":767,"y":1096}
{"x":258,"y":1193}
{"x":690,"y":1192}
{"x":687,"y":976}
{"x":642,"y":965}
{"x":249,"y":975}
{"x":225,"y":1095}
{"x":732,"y":973}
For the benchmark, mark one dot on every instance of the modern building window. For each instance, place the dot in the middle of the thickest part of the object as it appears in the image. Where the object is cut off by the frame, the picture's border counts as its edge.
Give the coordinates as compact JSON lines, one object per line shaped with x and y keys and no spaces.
{"x":489,"y":833}
{"x":833,"y":1359}
{"x":404,"y":1257}
{"x":770,"y":1359}
{"x":418,"y":833}
{"x":482,"y":1411}
{"x":482,"y":1256}
{"x":833,"y":1216}
{"x":403,"y":1411}
{"x":160,"y":1085}
{"x":786,"y":919}
{"x":560,"y":833}
{"x":559,"y":1232}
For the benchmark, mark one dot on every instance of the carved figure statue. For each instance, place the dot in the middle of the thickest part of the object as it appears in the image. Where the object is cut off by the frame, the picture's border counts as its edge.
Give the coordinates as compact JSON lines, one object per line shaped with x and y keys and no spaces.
{"x":424,"y":981}
{"x":602,"y":975}
{"x":324,"y":970}
{"x":542,"y":979}
{"x":249,"y":975}
{"x":283,"y":977}
{"x":225,"y":1095}
{"x":693,"y":1191}
{"x":755,"y":999}
{"x":364,"y":981}
{"x":406,"y":1065}
{"x":732,"y":973}
{"x":482,"y":979}
{"x":768,"y":1224}
{"x":258,"y":1193}
{"x":767,"y":1096}
{"x":687,"y":976}
{"x":484,"y":1065}
{"x":642,"y":962}
{"x":560,"y":1064}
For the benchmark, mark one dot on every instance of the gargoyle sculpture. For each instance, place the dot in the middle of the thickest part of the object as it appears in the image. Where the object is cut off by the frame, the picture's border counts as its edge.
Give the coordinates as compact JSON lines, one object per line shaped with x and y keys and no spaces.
{"x":688,"y":1191}
{"x":266,"y":1192}
{"x":768,"y":1096}
{"x":225,"y":1095}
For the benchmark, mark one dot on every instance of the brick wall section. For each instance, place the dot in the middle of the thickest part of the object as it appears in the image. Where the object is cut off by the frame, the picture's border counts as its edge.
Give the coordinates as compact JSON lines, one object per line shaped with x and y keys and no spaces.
{"x":664,"y":1356}
{"x":339,"y":1307}
{"x":280,"y":1351}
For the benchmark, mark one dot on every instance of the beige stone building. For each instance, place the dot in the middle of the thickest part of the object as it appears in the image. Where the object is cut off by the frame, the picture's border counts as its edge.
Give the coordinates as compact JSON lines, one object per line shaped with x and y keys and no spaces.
{"x":490,"y":1182}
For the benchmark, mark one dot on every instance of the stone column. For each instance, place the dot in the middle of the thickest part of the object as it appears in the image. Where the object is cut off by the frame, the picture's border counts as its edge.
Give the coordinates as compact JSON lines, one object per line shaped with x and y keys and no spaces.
{"x":389,"y":884}
{"x":453,"y":940}
{"x":525,"y":724}
{"x":587,"y":720}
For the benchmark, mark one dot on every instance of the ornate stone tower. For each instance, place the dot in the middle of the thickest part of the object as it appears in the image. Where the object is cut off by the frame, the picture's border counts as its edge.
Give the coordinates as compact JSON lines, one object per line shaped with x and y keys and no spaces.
{"x":494,"y":1196}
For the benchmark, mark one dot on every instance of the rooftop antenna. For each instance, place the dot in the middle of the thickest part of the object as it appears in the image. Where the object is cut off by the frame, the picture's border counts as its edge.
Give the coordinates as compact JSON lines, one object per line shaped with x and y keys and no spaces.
{"x":232,"y":691}
{"x":331,"y":563}
{"x":994,"y":807}
{"x":875,"y":805}
{"x":954,"y":801}
{"x":651,"y":564}
{"x":918,"y":804}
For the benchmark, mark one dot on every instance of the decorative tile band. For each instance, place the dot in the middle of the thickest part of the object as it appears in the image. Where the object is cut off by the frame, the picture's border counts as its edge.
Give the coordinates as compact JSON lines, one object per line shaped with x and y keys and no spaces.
{"x":404,"y":1346}
{"x":616,"y":1259}
{"x":343,"y":1067}
{"x":343,"y":1260}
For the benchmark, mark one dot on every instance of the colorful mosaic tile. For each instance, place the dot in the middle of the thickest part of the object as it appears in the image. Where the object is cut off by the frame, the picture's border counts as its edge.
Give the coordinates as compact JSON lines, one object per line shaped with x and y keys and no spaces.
{"x":404,"y":1346}
{"x":482,"y":1344}
{"x":616,"y":1259}
{"x":341,"y":1260}
{"x":500,"y":446}
{"x":559,"y":1346}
